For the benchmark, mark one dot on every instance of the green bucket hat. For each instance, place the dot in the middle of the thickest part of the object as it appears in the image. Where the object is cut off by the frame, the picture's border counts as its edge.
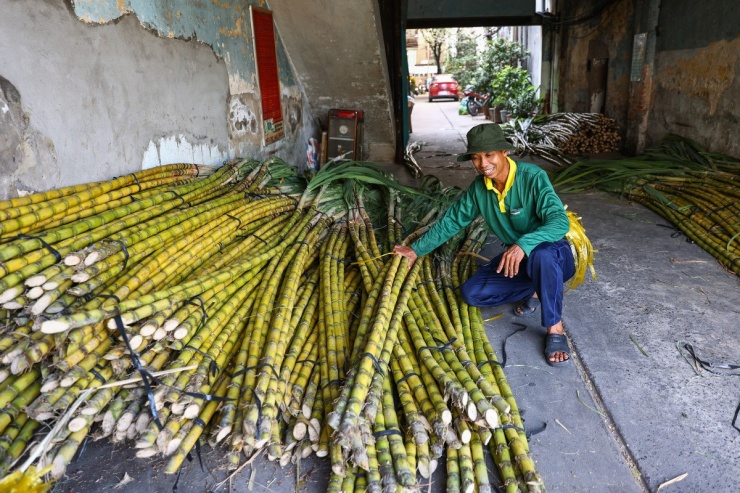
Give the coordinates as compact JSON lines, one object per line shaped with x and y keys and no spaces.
{"x":484,"y":138}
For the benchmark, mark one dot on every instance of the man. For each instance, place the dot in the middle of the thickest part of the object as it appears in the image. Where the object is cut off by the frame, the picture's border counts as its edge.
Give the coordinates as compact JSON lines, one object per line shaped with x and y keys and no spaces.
{"x":519,"y":204}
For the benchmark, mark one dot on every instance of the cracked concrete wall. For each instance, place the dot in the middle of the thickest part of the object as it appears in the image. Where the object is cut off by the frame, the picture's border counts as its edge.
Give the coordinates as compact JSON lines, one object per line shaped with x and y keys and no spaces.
{"x":96,"y":89}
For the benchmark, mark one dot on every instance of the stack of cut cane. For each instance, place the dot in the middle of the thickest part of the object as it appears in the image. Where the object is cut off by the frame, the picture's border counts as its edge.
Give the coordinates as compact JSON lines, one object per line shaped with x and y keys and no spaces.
{"x":258,"y":311}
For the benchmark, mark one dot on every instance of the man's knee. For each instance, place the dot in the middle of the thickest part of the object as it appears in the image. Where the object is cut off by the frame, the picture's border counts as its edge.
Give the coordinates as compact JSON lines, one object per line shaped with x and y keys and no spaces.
{"x":543,"y":257}
{"x":469,"y":294}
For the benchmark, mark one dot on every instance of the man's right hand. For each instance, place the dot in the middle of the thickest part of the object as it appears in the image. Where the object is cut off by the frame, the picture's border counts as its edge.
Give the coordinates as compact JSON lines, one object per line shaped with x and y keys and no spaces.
{"x":407,"y":252}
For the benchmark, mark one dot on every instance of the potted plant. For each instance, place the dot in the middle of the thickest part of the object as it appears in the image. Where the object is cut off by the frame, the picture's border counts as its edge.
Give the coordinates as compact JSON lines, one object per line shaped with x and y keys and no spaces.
{"x":514,"y":91}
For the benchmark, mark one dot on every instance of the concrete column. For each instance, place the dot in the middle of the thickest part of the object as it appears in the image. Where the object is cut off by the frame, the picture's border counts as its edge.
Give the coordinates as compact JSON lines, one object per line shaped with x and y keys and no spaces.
{"x":641,"y":92}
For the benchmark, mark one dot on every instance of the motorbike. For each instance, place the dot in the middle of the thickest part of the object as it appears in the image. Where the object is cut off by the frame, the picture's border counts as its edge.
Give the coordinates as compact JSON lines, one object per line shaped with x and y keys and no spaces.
{"x":475,"y":101}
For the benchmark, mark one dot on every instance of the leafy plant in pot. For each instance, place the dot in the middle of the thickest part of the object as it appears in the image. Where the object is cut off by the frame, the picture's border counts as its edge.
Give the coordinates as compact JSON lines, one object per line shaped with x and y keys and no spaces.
{"x":513,"y":89}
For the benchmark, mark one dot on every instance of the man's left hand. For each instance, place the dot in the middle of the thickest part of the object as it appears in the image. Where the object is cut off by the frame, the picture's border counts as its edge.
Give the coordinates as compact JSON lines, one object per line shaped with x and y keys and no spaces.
{"x":510,"y":261}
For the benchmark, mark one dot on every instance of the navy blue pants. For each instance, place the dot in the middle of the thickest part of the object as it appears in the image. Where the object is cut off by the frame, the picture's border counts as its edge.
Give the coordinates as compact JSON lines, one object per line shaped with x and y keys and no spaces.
{"x":545,"y":270}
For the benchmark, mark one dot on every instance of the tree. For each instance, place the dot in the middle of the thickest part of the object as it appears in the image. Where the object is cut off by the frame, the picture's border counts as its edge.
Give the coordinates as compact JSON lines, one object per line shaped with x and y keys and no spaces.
{"x":499,"y":53}
{"x":464,"y":63}
{"x":437,"y":41}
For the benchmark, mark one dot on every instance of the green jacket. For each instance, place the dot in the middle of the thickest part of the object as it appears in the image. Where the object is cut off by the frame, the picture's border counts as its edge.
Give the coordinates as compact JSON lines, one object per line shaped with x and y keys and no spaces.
{"x":534,"y":213}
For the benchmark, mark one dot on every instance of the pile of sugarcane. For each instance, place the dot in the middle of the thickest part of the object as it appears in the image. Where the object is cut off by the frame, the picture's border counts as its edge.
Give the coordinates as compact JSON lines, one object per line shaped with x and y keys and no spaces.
{"x":554,"y":137}
{"x":257,"y":310}
{"x":695,"y":190}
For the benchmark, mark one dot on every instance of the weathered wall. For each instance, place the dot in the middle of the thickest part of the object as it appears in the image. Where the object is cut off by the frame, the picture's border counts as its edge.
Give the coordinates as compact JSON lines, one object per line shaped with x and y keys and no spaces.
{"x":107,"y":87}
{"x":608,"y":35}
{"x":697,"y":75}
{"x":688,"y":84}
{"x":337,"y":50}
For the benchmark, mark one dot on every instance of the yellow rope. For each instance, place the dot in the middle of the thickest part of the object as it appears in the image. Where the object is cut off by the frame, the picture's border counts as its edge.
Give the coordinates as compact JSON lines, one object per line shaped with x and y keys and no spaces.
{"x":495,"y":317}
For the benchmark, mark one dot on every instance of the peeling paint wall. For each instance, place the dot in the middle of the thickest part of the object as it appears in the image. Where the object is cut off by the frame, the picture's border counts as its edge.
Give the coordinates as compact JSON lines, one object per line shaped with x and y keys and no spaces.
{"x":99,"y":88}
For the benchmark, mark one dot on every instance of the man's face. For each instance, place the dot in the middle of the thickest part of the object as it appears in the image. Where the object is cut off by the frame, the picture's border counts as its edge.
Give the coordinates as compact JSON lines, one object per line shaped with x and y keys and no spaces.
{"x":492,"y":164}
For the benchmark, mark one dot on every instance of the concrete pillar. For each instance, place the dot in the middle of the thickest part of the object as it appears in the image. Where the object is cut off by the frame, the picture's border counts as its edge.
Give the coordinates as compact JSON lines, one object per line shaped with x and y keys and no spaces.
{"x":641,"y":91}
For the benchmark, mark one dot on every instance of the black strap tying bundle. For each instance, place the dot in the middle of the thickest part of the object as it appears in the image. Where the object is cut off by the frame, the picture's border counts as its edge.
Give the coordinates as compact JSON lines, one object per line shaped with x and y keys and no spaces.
{"x":124,"y":250}
{"x":442,"y":345}
{"x":708,"y":365}
{"x":51,"y":249}
{"x":148,"y":379}
{"x":97,"y":375}
{"x":385,"y":433}
{"x":213,"y":368}
{"x":235,"y":219}
{"x":376,"y":363}
{"x":407,"y":376}
{"x":312,"y":361}
{"x":201,"y":305}
{"x":527,"y":434}
{"x":136,"y":178}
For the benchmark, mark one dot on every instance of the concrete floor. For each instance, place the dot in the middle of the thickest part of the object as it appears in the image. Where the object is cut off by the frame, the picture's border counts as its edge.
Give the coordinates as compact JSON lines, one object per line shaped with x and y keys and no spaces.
{"x":617,"y":420}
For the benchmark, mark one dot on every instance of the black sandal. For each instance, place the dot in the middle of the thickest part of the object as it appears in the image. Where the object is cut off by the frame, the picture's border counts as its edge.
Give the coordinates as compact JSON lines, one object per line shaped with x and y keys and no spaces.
{"x":556,"y":343}
{"x":528,"y":307}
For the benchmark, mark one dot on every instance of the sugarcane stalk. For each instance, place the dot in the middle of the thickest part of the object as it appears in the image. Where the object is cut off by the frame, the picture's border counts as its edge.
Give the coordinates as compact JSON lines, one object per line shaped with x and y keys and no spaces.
{"x":454,"y":484}
{"x":405,"y":473}
{"x":483,"y":483}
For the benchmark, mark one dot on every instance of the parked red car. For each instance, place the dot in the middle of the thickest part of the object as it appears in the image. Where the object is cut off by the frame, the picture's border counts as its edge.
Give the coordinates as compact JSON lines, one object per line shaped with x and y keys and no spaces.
{"x":443,"y":86}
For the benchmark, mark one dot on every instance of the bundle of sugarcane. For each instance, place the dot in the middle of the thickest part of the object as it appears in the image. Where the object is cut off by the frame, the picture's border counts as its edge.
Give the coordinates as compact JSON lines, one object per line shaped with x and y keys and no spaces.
{"x":275,"y":316}
{"x":693,"y":189}
{"x":122,"y":249}
{"x":46,"y":210}
{"x":554,"y":137}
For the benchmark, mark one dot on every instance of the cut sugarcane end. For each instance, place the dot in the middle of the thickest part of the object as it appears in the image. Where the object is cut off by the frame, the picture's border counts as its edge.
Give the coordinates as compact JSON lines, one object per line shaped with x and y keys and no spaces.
{"x":491,"y":417}
{"x":148,"y":329}
{"x":223,"y":433}
{"x":81,"y":277}
{"x":37,"y":280}
{"x":54,"y":326}
{"x":48,"y":286}
{"x":466,"y":436}
{"x":41,"y":304}
{"x":10,"y":294}
{"x":73,"y":259}
{"x":91,"y":258}
{"x":77,"y":424}
{"x":192,"y":411}
{"x":299,"y":431}
{"x":35,"y":293}
{"x":145,"y":453}
{"x":172,"y":446}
